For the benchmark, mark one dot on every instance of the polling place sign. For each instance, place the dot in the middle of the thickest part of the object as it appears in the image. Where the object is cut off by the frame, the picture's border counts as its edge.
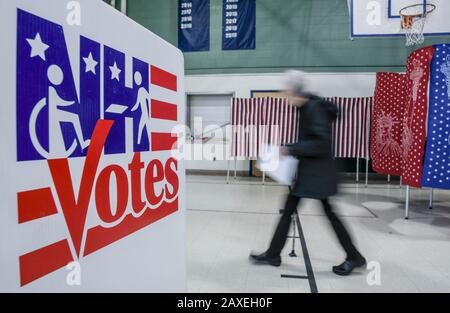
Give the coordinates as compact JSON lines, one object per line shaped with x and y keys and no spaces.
{"x":92,"y":195}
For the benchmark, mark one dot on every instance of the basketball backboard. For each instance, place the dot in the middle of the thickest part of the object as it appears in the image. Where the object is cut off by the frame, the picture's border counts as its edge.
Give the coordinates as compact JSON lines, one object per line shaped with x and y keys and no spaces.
{"x":381,"y":18}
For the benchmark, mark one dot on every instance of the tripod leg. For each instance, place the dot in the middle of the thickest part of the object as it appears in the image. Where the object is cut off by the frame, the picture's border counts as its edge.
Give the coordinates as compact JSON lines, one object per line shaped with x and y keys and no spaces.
{"x":294,"y":226}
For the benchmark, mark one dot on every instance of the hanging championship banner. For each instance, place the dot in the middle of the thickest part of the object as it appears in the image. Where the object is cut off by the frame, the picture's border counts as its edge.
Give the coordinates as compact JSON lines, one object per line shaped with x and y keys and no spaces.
{"x":238,"y":29}
{"x":436,"y":169}
{"x":386,"y":131}
{"x":415,"y":117}
{"x":92,"y":192}
{"x":193,"y":25}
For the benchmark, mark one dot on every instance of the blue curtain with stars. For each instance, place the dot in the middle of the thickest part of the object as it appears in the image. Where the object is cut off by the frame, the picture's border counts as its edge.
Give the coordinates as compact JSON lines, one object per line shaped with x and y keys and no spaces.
{"x":436,"y":169}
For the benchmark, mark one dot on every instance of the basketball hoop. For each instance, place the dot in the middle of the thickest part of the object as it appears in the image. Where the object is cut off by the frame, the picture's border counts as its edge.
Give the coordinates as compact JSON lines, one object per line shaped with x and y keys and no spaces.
{"x":413,"y":20}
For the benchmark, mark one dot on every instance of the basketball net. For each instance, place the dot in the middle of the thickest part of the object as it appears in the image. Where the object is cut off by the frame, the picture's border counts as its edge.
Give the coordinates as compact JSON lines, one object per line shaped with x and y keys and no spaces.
{"x":413,"y":27}
{"x":413,"y":22}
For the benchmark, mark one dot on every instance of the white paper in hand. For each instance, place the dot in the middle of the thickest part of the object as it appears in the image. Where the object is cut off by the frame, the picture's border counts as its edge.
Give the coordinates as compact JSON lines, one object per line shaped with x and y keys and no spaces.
{"x":280,"y":168}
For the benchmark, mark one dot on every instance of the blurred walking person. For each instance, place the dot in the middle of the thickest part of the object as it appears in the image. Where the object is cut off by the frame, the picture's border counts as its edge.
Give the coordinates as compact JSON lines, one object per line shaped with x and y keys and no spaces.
{"x":316,"y":173}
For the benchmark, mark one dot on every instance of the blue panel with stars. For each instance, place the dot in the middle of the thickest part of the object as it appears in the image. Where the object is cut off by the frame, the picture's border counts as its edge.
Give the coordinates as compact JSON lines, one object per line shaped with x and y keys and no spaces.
{"x":436,"y":169}
{"x":52,"y":122}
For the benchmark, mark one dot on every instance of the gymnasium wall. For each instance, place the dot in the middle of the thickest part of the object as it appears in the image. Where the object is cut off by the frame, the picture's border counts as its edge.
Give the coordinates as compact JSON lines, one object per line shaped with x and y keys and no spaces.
{"x":242,"y":85}
{"x":308,"y":34}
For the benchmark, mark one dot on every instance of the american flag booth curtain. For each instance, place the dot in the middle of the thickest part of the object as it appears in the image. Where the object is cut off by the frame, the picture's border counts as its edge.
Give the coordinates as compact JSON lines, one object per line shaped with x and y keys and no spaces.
{"x":259,"y":121}
{"x":351,"y":130}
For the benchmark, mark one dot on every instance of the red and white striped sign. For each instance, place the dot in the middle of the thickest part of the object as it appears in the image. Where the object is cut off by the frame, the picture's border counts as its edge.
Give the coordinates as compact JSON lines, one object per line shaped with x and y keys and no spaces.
{"x":351,"y":130}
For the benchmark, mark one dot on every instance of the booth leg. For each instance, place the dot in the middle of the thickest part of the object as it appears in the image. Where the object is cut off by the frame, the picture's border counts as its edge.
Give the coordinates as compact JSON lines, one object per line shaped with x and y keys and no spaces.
{"x":357,"y":169}
{"x":430,"y":205}
{"x":367,"y":172}
{"x":228,"y":172}
{"x":407,"y":203}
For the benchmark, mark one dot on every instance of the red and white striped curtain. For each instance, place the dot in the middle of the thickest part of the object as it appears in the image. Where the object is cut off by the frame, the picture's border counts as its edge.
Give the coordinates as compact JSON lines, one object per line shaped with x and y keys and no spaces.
{"x":259,"y":121}
{"x":351,"y":130}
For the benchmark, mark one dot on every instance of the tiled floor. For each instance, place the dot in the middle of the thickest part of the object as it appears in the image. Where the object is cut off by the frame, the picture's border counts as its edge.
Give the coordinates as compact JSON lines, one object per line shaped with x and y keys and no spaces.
{"x":226,"y":222}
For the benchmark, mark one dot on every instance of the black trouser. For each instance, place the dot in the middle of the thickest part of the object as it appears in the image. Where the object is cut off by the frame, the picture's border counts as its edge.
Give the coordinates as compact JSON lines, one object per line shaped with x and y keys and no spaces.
{"x":280,"y":236}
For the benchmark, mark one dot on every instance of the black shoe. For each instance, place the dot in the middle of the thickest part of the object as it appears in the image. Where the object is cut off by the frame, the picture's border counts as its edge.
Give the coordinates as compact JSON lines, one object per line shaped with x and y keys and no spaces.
{"x":265,"y":259}
{"x":348,"y":266}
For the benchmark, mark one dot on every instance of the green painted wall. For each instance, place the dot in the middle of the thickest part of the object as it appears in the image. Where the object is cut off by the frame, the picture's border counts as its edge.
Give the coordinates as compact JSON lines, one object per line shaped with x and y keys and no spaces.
{"x":309,"y":34}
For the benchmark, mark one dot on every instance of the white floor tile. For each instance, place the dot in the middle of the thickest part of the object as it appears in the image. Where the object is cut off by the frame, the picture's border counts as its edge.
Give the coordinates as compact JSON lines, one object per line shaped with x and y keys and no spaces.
{"x":228,"y":221}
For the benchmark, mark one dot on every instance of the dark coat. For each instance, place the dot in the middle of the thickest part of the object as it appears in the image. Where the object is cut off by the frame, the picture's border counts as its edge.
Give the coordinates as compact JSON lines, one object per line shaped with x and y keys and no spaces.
{"x":316,"y":174}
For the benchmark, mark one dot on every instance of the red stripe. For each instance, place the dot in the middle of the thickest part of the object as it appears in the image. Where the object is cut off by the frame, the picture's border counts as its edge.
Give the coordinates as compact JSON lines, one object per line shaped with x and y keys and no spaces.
{"x":342,"y":130}
{"x":247,"y":122}
{"x":260,"y":123}
{"x":233,"y":129}
{"x":245,"y":127}
{"x":35,"y":204}
{"x":249,"y":125}
{"x":162,"y":78}
{"x":164,"y":110}
{"x":255,"y":127}
{"x":99,"y":237}
{"x":241,"y":127}
{"x":164,"y":141}
{"x":344,"y":127}
{"x":279,"y":113}
{"x":339,"y":127}
{"x":352,"y":137}
{"x":361,"y":128}
{"x":265,"y":123}
{"x":236,"y":117}
{"x":253,"y":137}
{"x":46,"y":260}
{"x":349,"y":127}
{"x":292,"y":123}
{"x":283,"y":121}
{"x":269,"y":120}
{"x":348,"y":121}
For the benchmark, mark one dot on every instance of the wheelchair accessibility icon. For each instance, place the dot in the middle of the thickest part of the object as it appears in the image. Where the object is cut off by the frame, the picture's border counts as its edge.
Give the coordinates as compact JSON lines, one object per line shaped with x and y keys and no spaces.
{"x":57,"y":147}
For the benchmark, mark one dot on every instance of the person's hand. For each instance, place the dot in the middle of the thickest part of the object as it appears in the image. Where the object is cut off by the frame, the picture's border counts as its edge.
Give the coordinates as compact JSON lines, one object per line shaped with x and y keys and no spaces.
{"x":284,"y":151}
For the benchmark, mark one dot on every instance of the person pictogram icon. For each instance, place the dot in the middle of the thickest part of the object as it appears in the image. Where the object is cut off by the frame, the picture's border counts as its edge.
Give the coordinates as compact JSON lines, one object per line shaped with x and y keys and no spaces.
{"x":142,"y":102}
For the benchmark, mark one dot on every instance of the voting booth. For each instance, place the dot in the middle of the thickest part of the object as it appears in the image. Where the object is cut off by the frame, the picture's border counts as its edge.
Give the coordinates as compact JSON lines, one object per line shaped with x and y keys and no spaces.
{"x":92,"y":193}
